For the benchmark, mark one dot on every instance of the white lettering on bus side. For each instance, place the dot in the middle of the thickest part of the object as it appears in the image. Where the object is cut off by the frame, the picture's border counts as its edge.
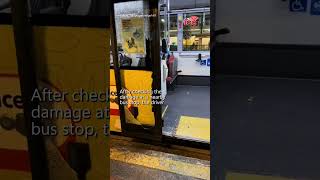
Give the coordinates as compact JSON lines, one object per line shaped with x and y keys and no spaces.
{"x":10,"y":101}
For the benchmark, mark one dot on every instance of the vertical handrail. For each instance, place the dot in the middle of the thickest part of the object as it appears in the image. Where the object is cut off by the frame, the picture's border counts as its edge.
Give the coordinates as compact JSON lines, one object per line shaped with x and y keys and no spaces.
{"x":116,"y":66}
{"x":23,"y":34}
{"x":156,"y":64}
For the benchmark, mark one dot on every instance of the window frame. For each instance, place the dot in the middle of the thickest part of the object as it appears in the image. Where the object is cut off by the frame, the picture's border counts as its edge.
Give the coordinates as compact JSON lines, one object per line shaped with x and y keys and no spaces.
{"x":183,"y":12}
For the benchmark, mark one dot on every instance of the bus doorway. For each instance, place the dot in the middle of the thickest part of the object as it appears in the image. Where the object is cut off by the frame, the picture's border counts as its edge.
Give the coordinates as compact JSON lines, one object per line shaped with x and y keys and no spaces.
{"x":160,"y":71}
{"x":185,"y":72}
{"x":140,"y":148}
{"x":135,"y":68}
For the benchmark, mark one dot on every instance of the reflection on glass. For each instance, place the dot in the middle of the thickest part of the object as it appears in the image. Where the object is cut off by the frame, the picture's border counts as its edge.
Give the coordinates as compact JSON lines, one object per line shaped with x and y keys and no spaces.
{"x":206,"y":25}
{"x":4,"y":6}
{"x":162,"y":26}
{"x":196,"y":32}
{"x":49,"y":6}
{"x":64,"y":7}
{"x":132,"y":32}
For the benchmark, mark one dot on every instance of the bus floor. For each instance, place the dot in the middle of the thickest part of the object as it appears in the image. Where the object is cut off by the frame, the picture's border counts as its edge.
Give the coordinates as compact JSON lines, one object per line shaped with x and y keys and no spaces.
{"x":132,"y":160}
{"x":186,"y":112}
{"x":268,"y":125}
{"x":125,"y":171}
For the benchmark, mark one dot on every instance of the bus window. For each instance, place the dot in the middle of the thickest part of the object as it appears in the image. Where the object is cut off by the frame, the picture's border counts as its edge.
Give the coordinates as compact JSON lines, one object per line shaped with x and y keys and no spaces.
{"x":173,"y":32}
{"x":196,"y":32}
{"x":132,"y":32}
{"x":69,"y":7}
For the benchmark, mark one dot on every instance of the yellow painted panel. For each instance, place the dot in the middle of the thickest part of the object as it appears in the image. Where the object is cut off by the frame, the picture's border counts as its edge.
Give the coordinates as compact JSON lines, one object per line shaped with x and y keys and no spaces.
{"x":115,"y":124}
{"x":112,"y":78}
{"x":194,"y":128}
{"x":7,"y":50}
{"x":70,"y":58}
{"x":10,"y":140}
{"x":77,"y":58}
{"x":240,"y":176}
{"x":137,"y":80}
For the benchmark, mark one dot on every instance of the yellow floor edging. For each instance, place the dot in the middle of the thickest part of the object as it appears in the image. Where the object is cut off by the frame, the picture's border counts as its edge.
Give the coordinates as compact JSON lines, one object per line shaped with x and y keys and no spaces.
{"x":161,"y":163}
{"x":194,"y":128}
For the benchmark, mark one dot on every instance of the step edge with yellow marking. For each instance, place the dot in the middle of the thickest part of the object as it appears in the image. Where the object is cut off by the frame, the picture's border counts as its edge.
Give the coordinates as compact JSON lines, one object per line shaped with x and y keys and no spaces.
{"x":161,"y":163}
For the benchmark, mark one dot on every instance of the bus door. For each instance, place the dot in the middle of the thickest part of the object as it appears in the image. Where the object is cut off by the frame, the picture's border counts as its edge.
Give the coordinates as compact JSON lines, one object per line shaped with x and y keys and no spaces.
{"x":59,"y":47}
{"x":71,"y":53}
{"x":135,"y":81}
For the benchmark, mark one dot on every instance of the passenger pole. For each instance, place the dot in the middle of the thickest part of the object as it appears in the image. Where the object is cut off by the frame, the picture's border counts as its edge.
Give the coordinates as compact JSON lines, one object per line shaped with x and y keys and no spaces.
{"x":23,"y":34}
